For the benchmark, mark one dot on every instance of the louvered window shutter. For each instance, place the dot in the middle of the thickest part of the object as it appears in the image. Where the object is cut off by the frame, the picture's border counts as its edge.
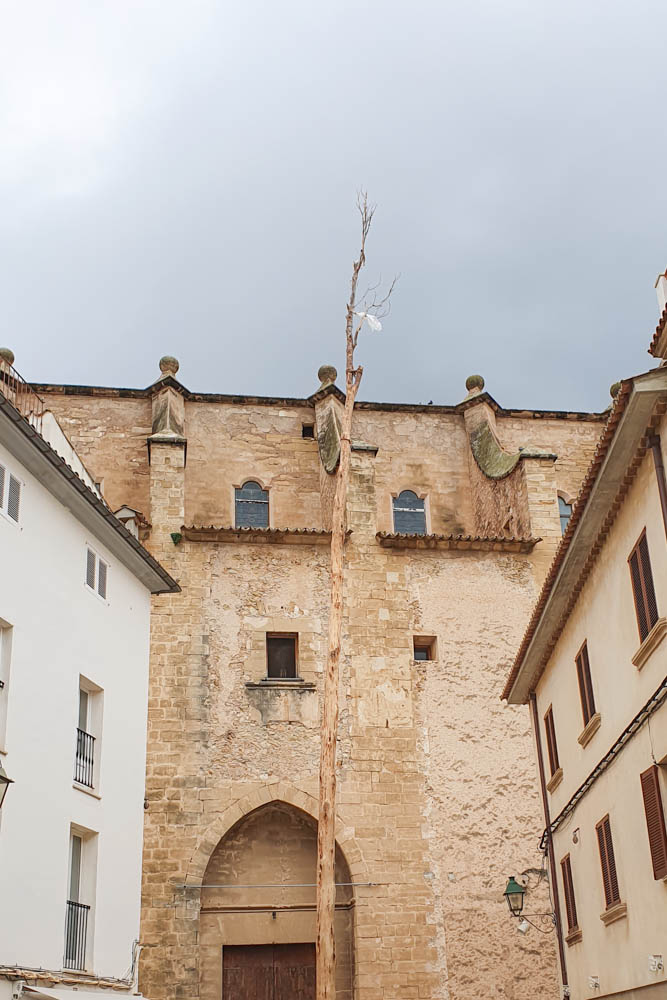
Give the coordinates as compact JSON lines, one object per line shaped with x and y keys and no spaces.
{"x":607,"y":862}
{"x":552,"y":747}
{"x":655,"y":821}
{"x":647,"y":579}
{"x":90,"y":569}
{"x":13,"y":498}
{"x":585,"y":683}
{"x":568,"y":888}
{"x":2,"y":486}
{"x":252,"y":506}
{"x":409,"y":514}
{"x":102,"y":578}
{"x":642,"y":587}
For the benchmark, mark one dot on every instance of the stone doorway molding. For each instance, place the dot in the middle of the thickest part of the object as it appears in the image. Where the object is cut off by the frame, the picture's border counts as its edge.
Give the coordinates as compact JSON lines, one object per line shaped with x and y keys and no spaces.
{"x":278,"y":791}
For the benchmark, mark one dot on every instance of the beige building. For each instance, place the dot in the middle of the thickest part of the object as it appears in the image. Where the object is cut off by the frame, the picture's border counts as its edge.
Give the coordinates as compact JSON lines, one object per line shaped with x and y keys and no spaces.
{"x":593,"y":665}
{"x":454,"y":515}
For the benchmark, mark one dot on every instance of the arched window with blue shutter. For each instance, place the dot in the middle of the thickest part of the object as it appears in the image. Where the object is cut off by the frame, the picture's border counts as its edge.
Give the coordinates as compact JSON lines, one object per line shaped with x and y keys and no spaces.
{"x":409,"y":514}
{"x":252,"y":506}
{"x":565,"y":511}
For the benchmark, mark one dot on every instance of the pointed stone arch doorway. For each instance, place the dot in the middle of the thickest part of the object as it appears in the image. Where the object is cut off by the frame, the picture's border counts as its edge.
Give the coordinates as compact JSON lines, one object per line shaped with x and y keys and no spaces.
{"x":257,"y":918}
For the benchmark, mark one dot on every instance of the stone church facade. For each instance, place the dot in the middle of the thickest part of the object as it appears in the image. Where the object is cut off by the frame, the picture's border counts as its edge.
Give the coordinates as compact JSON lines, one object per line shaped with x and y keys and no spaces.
{"x":438,"y":801}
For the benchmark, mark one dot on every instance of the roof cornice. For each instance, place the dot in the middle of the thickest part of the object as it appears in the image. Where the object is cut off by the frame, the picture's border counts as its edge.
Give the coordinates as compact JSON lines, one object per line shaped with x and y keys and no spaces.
{"x":111,"y":392}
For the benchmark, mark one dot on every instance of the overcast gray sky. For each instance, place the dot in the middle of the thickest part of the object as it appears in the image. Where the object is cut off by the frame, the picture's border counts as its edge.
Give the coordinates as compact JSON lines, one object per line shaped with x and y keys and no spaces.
{"x":180,"y":177}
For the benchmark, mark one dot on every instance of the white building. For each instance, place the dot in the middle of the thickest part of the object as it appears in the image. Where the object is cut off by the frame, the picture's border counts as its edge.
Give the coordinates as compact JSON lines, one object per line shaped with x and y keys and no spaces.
{"x":75,"y":595}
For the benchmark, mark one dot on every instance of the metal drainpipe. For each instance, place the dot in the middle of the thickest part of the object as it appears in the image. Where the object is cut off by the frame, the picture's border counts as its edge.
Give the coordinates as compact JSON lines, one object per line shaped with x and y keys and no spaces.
{"x":654,"y":442}
{"x":550,"y":844}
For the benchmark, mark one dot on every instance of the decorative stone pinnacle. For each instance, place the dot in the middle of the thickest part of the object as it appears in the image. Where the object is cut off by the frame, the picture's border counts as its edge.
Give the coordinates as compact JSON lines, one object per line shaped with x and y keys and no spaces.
{"x":327,"y":375}
{"x":169,"y":365}
{"x":6,"y":355}
{"x":474,"y":383}
{"x":614,"y":389}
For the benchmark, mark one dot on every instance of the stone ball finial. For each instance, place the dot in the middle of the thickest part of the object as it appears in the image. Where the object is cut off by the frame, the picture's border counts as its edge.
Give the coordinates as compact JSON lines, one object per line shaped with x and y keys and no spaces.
{"x":6,"y":355}
{"x":327,"y":374}
{"x":614,"y":389}
{"x":169,"y":365}
{"x":474,"y":383}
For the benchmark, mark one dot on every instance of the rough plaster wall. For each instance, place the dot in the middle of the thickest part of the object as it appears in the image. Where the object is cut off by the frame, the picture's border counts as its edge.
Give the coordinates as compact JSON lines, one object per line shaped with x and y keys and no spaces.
{"x":110,"y":436}
{"x":426,"y":453}
{"x":229,"y":444}
{"x":248,"y":586}
{"x":500,"y":505}
{"x":483,"y":802}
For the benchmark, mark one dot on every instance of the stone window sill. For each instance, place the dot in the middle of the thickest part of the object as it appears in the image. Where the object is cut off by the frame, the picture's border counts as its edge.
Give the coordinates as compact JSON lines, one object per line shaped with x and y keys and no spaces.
{"x":651,"y":642}
{"x":86,"y":790}
{"x":616,"y":912}
{"x":574,"y":936}
{"x":590,"y":729}
{"x":281,"y":684}
{"x":555,"y":780}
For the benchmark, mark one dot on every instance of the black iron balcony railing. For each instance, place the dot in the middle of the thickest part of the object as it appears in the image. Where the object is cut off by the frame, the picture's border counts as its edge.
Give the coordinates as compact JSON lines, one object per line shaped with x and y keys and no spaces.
{"x":76,"y":928}
{"x":85,"y":758}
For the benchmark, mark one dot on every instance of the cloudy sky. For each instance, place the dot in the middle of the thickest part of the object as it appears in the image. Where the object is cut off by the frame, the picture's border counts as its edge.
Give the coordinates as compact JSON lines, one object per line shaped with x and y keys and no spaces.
{"x":180,"y":177}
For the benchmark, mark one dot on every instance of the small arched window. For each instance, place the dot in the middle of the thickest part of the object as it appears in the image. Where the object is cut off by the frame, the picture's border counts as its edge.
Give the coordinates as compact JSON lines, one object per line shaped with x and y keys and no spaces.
{"x":252,"y":506}
{"x":409,"y":514}
{"x":565,"y":511}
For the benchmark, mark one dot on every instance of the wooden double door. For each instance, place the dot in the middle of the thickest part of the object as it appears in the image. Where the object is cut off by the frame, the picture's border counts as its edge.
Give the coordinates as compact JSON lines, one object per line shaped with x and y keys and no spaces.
{"x":268,"y":972}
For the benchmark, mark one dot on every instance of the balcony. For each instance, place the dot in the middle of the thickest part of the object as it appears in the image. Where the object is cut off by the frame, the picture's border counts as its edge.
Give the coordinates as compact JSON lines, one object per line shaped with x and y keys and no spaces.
{"x":85,"y":757}
{"x":76,"y":928}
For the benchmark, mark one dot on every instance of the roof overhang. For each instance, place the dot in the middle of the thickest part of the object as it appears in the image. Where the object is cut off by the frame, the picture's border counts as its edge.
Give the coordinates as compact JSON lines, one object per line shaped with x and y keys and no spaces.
{"x":644,"y":393}
{"x":74,"y":993}
{"x":32,"y":451}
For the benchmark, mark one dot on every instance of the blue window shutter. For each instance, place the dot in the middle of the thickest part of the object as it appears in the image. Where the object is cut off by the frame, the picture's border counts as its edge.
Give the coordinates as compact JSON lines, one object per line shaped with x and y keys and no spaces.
{"x":409,"y":514}
{"x":252,"y":506}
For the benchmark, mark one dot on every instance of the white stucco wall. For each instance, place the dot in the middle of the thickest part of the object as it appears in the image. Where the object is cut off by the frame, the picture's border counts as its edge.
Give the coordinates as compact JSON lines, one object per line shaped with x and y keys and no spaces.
{"x":604,"y":616}
{"x":62,"y":630}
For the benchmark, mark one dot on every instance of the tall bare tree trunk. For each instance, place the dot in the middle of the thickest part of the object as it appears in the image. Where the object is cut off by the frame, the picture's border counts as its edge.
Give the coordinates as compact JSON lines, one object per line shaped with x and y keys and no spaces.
{"x":326,"y":831}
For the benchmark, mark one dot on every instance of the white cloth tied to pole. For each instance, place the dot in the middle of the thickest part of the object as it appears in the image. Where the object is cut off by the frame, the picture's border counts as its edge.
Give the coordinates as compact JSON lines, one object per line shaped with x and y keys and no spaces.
{"x":372,"y":321}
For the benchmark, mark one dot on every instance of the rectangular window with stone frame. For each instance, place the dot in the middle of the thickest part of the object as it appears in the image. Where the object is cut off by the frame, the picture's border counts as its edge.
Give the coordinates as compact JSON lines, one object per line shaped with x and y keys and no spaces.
{"x":282,"y":655}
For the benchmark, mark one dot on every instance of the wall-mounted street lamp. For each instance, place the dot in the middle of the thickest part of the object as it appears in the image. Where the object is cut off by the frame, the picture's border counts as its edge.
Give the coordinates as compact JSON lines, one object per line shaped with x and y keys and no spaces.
{"x":514,"y":894}
{"x":5,"y":782}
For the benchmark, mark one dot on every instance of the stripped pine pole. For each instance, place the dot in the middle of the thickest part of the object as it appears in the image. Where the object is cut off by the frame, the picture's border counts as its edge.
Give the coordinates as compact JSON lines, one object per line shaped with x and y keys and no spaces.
{"x":326,"y":831}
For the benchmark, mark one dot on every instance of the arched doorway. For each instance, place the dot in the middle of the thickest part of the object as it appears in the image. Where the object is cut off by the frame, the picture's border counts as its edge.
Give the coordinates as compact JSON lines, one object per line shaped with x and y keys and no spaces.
{"x":257,"y":924}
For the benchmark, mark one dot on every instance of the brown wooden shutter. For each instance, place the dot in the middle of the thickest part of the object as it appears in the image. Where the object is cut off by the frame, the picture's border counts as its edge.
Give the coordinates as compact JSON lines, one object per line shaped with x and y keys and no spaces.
{"x":568,"y":889}
{"x":643,"y":590}
{"x":608,"y":862}
{"x":647,"y":579}
{"x":585,"y":683}
{"x":552,"y":747}
{"x":655,"y":821}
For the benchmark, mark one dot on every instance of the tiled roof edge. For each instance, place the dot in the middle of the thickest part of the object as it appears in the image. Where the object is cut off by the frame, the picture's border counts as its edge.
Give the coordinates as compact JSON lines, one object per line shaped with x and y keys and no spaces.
{"x":604,"y":443}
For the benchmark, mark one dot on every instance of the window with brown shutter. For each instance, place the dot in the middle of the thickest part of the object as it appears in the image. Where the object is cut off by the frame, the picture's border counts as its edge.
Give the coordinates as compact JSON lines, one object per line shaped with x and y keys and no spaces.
{"x":568,"y":889}
{"x":552,"y":748}
{"x":608,"y":862}
{"x":655,"y":820}
{"x":585,"y":683}
{"x":642,"y":587}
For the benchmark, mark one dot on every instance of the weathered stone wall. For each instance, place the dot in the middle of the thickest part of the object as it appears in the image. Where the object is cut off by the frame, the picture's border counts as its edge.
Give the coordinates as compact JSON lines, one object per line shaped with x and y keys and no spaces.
{"x":109,"y":434}
{"x":437,"y":802}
